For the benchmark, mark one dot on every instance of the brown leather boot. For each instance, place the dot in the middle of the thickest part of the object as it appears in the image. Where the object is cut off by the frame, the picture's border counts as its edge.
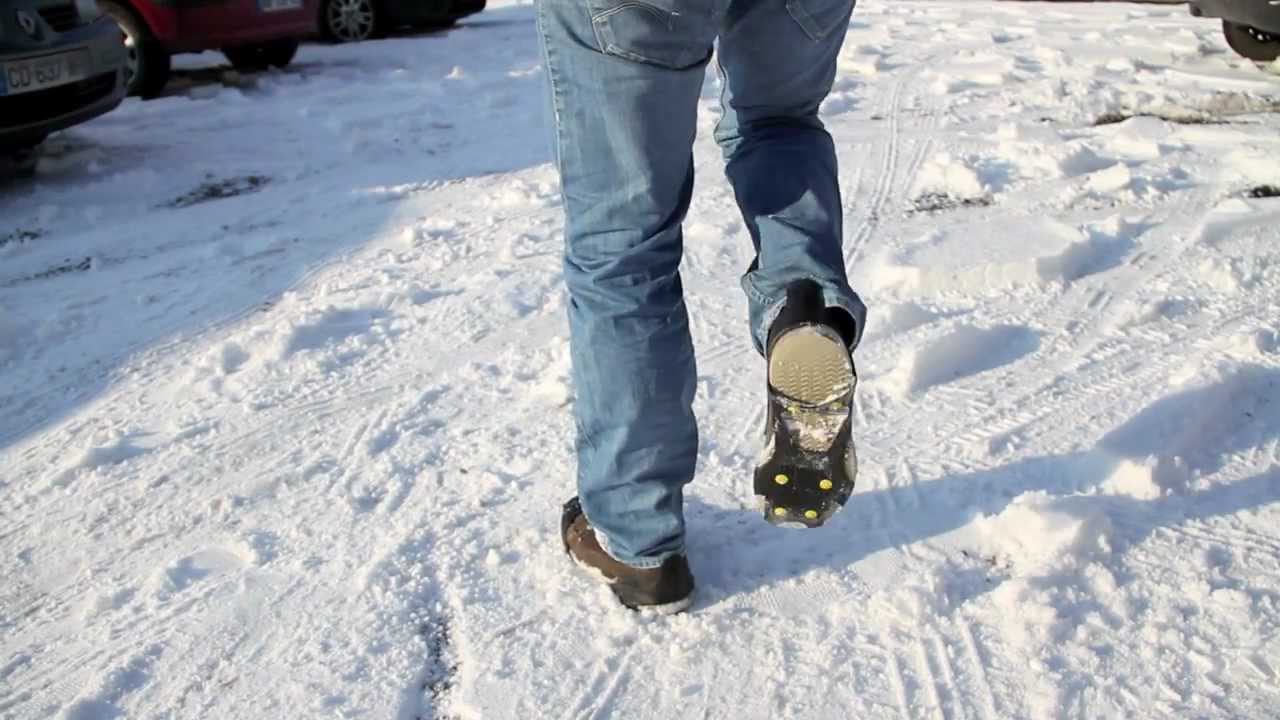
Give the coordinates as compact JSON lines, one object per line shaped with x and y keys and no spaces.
{"x":667,"y":589}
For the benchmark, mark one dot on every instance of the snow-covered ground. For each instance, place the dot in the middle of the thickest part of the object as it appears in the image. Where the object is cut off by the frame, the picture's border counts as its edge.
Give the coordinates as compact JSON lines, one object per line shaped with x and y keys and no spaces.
{"x":284,"y":383}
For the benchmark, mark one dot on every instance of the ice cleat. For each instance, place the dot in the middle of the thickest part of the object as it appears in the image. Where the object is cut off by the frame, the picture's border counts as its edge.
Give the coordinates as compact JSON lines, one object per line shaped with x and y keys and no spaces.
{"x":807,"y":468}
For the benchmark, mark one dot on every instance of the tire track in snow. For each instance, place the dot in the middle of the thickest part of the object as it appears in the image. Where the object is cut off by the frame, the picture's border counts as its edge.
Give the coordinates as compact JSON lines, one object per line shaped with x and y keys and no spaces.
{"x":599,"y":691}
{"x":1114,"y":378}
{"x":918,"y":682}
{"x":1199,"y":531}
{"x":1086,"y":308}
{"x":1011,"y":411}
{"x":948,"y":690}
{"x":905,"y":703}
{"x":348,"y":465}
{"x":884,"y":182}
{"x":896,"y":178}
{"x":929,"y":679}
{"x":985,"y":702}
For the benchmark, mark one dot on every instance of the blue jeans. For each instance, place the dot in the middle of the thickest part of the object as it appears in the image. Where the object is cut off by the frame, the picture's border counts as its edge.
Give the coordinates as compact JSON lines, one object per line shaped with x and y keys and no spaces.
{"x":625,"y":78}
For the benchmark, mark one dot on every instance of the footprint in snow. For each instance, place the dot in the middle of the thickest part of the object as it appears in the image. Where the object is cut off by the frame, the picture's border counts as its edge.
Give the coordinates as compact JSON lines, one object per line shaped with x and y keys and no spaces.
{"x":192,"y":569}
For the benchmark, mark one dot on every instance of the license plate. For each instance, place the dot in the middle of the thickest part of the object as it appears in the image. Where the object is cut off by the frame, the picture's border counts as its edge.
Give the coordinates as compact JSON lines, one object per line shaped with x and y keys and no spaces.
{"x":24,"y":76}
{"x":278,"y":5}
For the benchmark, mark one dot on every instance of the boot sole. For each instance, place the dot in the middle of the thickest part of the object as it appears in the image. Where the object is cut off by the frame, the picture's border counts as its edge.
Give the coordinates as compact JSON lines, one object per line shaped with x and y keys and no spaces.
{"x":595,"y":575}
{"x":808,"y":471}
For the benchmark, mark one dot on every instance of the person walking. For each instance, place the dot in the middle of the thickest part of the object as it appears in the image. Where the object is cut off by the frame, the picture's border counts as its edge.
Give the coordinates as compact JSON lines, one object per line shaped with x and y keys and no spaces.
{"x":624,"y":81}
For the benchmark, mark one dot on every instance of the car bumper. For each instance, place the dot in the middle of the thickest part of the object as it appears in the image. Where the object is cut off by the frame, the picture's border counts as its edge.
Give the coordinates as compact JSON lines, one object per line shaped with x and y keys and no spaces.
{"x":25,"y":119}
{"x":1261,"y":14}
{"x":197,"y":25}
{"x":462,"y":8}
{"x":424,"y":12}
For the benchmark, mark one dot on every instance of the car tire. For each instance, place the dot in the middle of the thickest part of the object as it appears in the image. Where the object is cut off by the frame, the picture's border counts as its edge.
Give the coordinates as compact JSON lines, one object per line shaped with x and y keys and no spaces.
{"x":148,"y":65}
{"x":343,"y":21}
{"x":260,"y":56}
{"x":1252,"y":43}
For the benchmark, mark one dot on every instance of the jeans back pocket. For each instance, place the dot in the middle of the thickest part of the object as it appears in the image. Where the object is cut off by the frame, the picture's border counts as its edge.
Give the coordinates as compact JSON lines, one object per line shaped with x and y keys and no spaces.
{"x":819,"y":18}
{"x":675,"y":34}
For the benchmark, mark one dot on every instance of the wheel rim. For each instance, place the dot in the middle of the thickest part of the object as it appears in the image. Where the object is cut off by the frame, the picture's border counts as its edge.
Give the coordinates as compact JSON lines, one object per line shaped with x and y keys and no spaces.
{"x":131,"y":61}
{"x":351,"y":20}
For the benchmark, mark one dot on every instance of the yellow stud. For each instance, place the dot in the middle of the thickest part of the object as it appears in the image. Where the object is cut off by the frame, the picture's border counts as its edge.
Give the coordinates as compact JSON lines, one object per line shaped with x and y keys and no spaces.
{"x":781,"y":479}
{"x":780,"y":512}
{"x":811,"y":514}
{"x":826,"y":484}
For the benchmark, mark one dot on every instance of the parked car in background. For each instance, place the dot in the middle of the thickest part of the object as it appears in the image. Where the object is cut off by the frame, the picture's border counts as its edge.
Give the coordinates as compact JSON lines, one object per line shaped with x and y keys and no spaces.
{"x":61,"y":64}
{"x":253,"y":34}
{"x":1252,"y":27}
{"x":355,"y":20}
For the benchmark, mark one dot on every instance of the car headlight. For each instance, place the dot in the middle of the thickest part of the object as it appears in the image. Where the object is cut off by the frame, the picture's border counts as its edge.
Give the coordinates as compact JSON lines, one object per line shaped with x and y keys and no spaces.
{"x":88,"y":10}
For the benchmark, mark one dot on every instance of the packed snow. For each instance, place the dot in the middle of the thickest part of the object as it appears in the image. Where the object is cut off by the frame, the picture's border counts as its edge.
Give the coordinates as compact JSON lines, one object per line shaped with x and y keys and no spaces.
{"x":284,"y":395}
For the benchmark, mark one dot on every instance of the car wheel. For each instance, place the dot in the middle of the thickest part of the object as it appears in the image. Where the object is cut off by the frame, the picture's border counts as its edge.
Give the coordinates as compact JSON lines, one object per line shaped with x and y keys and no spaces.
{"x":147,"y":65}
{"x":1251,"y":42}
{"x":349,"y":20}
{"x":260,"y":56}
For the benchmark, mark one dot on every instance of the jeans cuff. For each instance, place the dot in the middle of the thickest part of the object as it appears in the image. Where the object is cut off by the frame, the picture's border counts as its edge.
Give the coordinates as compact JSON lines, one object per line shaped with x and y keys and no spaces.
{"x":637,"y":563}
{"x":831,"y":297}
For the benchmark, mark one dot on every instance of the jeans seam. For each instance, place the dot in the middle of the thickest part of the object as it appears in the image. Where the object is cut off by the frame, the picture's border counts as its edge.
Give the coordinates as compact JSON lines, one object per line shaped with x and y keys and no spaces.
{"x":724,"y":91}
{"x":804,"y":20}
{"x":605,"y":44}
{"x":551,"y":81}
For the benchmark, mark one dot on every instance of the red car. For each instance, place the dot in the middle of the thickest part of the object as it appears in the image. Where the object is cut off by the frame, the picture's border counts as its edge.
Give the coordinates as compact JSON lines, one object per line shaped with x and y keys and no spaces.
{"x":253,"y":34}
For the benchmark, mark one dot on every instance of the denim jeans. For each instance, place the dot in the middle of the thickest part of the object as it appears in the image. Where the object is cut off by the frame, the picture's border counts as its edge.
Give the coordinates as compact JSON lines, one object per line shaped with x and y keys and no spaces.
{"x":625,"y":79}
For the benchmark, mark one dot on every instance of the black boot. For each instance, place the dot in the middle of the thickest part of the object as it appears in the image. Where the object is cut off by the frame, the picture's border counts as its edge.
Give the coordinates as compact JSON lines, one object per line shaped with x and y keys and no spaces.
{"x":807,"y":469}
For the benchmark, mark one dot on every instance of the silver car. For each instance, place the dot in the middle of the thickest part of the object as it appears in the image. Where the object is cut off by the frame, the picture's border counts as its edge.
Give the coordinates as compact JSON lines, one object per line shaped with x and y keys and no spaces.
{"x":61,"y":63}
{"x":1252,"y":27}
